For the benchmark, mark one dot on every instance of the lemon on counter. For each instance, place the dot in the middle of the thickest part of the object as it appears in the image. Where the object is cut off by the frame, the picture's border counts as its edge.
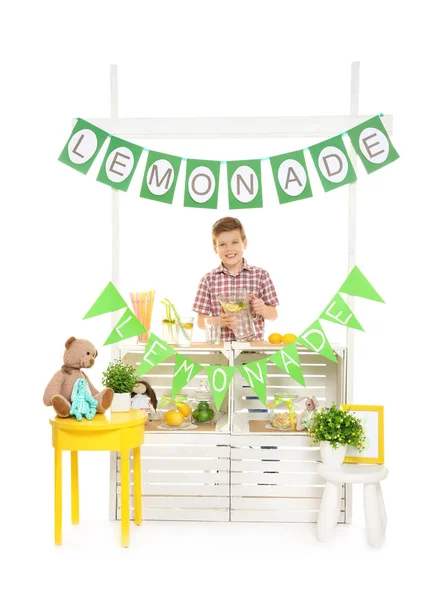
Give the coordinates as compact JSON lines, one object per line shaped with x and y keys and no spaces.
{"x":174,"y":418}
{"x":287,"y":338}
{"x":184,"y":409}
{"x":275,"y":338}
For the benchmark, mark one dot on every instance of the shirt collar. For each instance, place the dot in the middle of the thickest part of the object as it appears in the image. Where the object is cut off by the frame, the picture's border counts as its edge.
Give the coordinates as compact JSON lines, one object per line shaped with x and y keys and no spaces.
{"x":222,"y":269}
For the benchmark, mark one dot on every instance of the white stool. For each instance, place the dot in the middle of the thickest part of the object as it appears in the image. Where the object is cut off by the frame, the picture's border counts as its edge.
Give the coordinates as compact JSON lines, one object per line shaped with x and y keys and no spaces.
{"x":375,"y":513}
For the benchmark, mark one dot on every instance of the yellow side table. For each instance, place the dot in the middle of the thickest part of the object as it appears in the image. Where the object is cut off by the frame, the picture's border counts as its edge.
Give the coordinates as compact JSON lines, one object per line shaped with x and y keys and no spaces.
{"x":117,"y":432}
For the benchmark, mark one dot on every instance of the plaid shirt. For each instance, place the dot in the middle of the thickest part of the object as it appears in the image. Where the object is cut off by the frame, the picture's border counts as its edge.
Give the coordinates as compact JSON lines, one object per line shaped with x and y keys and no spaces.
{"x":220,"y":282}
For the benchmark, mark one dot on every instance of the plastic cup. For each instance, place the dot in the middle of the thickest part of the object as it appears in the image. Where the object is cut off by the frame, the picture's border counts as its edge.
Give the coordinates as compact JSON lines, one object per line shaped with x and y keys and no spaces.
{"x":185,"y":331}
{"x":213,"y":330}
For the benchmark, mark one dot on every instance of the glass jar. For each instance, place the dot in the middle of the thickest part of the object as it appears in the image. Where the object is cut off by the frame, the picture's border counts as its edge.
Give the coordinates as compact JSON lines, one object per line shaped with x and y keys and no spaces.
{"x":282,"y":413}
{"x":185,"y":331}
{"x":169,"y":331}
{"x":203,"y":405}
{"x":175,"y":412}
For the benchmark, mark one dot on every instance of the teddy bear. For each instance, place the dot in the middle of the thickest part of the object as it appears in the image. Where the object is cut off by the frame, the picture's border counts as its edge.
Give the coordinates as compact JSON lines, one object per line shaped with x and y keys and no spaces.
{"x":144,"y":397}
{"x":306,"y":419}
{"x":79,"y":354}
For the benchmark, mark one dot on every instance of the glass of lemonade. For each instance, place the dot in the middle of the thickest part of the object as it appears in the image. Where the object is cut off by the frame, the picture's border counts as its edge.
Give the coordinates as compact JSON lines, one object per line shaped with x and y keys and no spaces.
{"x":237,"y":305}
{"x":213,"y":330}
{"x":185,"y":331}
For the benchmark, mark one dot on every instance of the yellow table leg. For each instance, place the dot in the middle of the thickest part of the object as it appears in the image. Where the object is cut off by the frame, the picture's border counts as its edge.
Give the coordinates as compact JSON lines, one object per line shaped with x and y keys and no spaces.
{"x":137,"y":486}
{"x":57,"y":497}
{"x":74,"y":488}
{"x":125,"y":498}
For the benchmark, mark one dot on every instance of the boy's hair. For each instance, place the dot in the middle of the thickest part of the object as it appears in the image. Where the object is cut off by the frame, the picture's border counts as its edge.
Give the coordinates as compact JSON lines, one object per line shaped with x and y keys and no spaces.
{"x":227,"y":224}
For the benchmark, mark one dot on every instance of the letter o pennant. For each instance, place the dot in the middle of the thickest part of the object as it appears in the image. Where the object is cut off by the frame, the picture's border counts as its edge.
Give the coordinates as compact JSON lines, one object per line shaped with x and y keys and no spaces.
{"x":202,"y":183}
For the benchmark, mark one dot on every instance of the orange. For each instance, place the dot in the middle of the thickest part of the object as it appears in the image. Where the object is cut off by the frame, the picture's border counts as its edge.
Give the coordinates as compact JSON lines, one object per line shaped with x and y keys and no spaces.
{"x":174,"y":418}
{"x":287,"y":338}
{"x":184,"y":409}
{"x":275,"y":338}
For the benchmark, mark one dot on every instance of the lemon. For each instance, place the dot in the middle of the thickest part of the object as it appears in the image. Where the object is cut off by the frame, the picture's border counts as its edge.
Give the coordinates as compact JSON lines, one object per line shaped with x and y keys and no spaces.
{"x":232,"y":307}
{"x":187,"y":325}
{"x":287,"y":338}
{"x":275,"y":338}
{"x":174,"y":418}
{"x":184,"y":409}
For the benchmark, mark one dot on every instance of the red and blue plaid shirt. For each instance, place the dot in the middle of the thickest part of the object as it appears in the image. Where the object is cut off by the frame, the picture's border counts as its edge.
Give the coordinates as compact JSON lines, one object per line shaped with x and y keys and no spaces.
{"x":220,"y":282}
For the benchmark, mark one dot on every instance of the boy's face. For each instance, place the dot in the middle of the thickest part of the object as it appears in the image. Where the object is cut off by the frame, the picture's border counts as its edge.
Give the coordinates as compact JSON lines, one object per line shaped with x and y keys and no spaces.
{"x":230,"y":247}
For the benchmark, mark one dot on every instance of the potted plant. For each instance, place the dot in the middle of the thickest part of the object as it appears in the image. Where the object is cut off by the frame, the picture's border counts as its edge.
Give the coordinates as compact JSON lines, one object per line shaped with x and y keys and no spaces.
{"x":335,"y":429}
{"x":122,"y":379}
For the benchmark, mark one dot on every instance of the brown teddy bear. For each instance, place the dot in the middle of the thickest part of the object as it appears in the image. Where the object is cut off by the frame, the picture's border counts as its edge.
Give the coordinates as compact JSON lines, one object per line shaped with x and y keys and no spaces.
{"x":79,"y":354}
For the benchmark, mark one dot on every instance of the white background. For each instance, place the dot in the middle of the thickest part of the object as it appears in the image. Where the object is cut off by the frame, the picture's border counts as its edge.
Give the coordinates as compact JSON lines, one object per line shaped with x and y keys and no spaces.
{"x":197,"y":59}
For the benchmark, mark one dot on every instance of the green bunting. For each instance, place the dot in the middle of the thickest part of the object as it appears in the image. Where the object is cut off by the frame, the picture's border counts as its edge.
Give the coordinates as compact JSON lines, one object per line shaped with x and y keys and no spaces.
{"x":244,"y":184}
{"x":372,"y":144}
{"x":333,"y":164}
{"x":315,"y":339}
{"x":287,"y":359}
{"x":156,"y":351}
{"x":108,"y":301}
{"x":255,"y":375}
{"x":184,"y":371}
{"x":83,"y":146}
{"x":219,"y":380}
{"x":337,"y":311}
{"x":119,"y":164}
{"x":202,"y":183}
{"x":160,"y":177}
{"x":356,"y":284}
{"x":127,"y":327}
{"x":291,"y":176}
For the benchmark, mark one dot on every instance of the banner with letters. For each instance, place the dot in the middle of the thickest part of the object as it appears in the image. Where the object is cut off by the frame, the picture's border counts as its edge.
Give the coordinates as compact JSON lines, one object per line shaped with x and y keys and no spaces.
{"x":254,"y":373}
{"x":243,"y":178}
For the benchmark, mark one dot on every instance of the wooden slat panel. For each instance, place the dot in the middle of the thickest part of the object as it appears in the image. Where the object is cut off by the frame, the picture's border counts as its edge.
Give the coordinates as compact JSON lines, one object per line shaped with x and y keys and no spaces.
{"x":185,"y":464}
{"x":184,"y":502}
{"x":168,"y":451}
{"x":279,"y":454}
{"x":187,"y":439}
{"x":183,"y":514}
{"x":181,"y":477}
{"x":194,"y":490}
{"x":289,"y":440}
{"x":276,"y":491}
{"x":263,"y":466}
{"x":275,"y":503}
{"x":279,"y":516}
{"x":277,"y":478}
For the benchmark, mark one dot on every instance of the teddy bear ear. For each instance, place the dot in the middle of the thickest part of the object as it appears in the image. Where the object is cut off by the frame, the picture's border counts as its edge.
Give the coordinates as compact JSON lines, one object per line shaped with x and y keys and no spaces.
{"x":69,"y":342}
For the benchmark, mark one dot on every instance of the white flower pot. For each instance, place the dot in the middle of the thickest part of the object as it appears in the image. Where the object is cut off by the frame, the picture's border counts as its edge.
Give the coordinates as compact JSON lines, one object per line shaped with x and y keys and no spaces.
{"x":332,"y":457}
{"x":121,"y":403}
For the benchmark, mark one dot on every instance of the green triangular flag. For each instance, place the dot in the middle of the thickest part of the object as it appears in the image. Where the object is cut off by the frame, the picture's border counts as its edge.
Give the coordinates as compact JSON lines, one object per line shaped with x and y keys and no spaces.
{"x":288,"y":361}
{"x":128,"y":326}
{"x":357,"y":284}
{"x":83,"y":146}
{"x":337,"y":311}
{"x":291,"y":176}
{"x":372,"y":144}
{"x":184,"y":371}
{"x":160,"y":177}
{"x":108,"y":301}
{"x":219,"y":380}
{"x":244,"y":184}
{"x":315,"y":339}
{"x":156,"y":351}
{"x":255,"y":374}
{"x":119,"y":164}
{"x":333,"y":164}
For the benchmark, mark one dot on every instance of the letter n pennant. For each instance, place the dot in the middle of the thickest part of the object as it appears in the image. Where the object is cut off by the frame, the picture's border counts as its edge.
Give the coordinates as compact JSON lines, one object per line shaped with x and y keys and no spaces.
{"x":255,"y":375}
{"x":288,"y":361}
{"x":315,"y":339}
{"x":184,"y":371}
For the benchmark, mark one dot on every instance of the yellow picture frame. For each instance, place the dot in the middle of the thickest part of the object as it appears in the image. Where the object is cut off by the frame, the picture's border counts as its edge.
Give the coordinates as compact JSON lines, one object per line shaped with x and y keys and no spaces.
{"x":374,"y":428}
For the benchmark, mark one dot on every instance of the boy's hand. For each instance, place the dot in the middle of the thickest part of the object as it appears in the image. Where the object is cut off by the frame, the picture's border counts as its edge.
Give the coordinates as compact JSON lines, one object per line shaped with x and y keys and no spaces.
{"x":258,"y":305}
{"x":228,"y":320}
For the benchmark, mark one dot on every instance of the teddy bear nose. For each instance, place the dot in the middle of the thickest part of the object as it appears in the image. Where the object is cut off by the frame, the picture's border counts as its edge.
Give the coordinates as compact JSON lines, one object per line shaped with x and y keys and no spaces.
{"x":91,"y":362}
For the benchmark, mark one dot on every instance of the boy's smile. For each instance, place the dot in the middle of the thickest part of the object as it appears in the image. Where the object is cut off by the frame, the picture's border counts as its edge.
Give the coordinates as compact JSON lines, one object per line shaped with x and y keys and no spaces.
{"x":230,"y":247}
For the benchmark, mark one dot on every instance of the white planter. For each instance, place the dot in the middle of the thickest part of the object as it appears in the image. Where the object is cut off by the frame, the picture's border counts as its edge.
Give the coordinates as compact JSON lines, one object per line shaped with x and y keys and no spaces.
{"x":332,"y":457}
{"x":121,"y":403}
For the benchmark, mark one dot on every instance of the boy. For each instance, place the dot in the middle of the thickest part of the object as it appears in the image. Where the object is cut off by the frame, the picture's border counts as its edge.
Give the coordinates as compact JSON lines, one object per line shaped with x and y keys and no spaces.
{"x":234,"y":274}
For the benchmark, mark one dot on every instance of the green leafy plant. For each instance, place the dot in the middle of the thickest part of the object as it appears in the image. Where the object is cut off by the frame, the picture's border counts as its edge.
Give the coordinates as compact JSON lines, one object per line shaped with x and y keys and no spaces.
{"x":120,"y":377}
{"x":339,"y":427}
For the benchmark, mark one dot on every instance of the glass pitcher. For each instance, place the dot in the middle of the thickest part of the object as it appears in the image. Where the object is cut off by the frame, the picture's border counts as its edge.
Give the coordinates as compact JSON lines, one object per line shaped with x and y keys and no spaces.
{"x":237,"y":305}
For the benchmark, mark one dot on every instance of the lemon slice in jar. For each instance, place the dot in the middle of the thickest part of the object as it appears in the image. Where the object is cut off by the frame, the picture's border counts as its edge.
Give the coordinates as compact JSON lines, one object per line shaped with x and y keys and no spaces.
{"x":232,"y":307}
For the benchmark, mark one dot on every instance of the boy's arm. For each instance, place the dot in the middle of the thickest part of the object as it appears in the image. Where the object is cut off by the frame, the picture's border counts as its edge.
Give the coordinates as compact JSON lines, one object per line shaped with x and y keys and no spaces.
{"x":266,"y":306}
{"x":201,"y":320}
{"x":266,"y":311}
